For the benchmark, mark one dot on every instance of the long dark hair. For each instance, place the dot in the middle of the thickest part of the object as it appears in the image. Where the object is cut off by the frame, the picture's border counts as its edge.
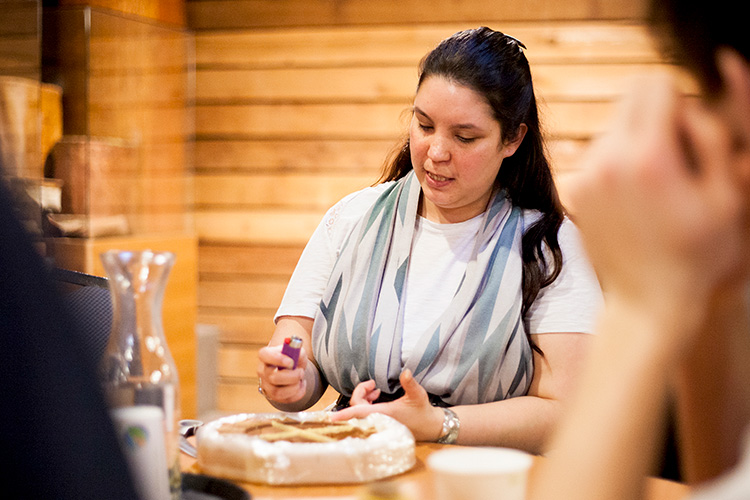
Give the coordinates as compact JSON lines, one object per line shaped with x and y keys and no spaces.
{"x":494,"y":65}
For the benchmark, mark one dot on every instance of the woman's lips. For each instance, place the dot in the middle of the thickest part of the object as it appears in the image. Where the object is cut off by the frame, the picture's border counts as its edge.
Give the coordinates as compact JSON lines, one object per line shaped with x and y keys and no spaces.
{"x":437,"y":180}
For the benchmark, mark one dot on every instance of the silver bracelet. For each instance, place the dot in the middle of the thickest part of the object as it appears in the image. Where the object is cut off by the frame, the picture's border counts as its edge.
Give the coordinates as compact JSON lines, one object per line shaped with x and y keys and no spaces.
{"x":451,"y":424}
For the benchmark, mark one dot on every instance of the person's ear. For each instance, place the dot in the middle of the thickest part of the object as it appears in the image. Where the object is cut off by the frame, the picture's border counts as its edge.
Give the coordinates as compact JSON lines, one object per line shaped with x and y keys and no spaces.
{"x":510,"y":147}
{"x":735,"y":75}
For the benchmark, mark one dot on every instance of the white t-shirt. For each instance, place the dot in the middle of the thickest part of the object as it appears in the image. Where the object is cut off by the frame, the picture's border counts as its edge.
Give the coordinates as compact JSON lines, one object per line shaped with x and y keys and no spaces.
{"x":440,"y":253}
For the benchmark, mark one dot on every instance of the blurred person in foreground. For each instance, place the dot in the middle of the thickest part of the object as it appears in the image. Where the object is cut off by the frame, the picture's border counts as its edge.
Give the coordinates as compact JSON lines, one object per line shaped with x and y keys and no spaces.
{"x":663,"y":208}
{"x":56,"y":437}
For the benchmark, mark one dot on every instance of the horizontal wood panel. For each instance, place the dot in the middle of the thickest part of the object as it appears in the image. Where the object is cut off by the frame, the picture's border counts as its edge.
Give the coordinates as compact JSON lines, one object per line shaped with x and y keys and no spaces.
{"x":165,"y":192}
{"x":361,"y":121}
{"x":290,"y":191}
{"x":587,"y":82}
{"x":155,"y":90}
{"x":238,"y":361}
{"x":574,"y":120}
{"x":161,"y":124}
{"x":553,"y":43}
{"x":168,"y":11}
{"x":136,"y":53}
{"x":260,"y":226}
{"x":308,"y":84}
{"x":241,"y":397}
{"x":211,"y":14}
{"x":240,"y":326}
{"x":256,"y":293}
{"x":19,"y":56}
{"x":167,"y":157}
{"x":363,"y":156}
{"x":20,"y":18}
{"x":341,"y":121}
{"x":600,"y":82}
{"x":162,"y":221}
{"x":248,"y":259}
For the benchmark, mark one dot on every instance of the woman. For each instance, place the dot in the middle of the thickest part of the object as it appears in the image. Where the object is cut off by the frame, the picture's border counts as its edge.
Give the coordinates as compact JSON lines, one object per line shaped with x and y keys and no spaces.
{"x":442,"y":285}
{"x":676,"y":326}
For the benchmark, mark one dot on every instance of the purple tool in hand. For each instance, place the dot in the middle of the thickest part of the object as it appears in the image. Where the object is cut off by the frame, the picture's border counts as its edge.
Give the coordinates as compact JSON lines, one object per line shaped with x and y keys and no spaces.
{"x":291,"y":348}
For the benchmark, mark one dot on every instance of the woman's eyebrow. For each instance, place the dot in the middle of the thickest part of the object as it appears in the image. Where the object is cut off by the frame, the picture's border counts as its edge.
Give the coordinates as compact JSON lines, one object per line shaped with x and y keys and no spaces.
{"x":462,"y":126}
{"x":418,"y":111}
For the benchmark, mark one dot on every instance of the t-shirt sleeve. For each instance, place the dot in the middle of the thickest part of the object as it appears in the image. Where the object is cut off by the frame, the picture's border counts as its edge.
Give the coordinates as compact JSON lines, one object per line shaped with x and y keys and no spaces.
{"x":572,"y":302}
{"x":308,"y":281}
{"x":310,"y":277}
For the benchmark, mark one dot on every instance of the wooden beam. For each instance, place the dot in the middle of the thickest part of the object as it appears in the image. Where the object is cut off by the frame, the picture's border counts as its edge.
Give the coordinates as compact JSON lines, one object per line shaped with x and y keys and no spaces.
{"x":212,"y":14}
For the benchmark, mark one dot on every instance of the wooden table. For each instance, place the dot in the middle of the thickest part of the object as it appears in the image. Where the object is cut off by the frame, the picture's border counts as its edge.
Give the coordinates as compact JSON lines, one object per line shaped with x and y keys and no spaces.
{"x":413,"y":485}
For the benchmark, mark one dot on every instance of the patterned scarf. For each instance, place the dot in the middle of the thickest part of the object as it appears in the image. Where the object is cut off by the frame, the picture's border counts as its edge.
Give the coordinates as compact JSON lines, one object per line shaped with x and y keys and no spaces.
{"x":475,"y":352}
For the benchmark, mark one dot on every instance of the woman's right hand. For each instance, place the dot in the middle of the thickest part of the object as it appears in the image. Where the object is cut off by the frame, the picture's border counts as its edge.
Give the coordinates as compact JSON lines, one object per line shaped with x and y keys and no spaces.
{"x":277,"y":380}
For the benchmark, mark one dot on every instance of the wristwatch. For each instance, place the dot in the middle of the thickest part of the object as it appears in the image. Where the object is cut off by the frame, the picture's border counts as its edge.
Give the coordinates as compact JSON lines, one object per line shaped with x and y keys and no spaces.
{"x":451,"y":424}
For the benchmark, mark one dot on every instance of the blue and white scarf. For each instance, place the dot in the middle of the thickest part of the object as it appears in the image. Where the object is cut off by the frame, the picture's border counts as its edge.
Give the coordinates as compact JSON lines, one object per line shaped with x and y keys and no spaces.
{"x":475,"y":352}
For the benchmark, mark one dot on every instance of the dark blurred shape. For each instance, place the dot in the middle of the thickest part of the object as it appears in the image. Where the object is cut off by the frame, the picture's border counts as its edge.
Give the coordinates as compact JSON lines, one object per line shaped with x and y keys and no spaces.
{"x":56,"y":438}
{"x":89,"y":301}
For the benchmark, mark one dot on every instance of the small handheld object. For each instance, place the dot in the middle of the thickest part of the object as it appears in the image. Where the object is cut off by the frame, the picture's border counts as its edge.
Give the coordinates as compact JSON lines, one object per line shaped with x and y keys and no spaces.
{"x":291,"y":348}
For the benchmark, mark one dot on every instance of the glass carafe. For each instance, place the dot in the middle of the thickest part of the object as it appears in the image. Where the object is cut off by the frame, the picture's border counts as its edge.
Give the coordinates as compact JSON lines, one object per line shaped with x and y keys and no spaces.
{"x":138,"y":368}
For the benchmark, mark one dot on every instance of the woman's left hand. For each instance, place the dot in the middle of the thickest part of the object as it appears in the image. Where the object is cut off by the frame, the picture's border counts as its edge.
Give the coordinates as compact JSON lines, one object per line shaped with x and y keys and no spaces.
{"x":413,"y":409}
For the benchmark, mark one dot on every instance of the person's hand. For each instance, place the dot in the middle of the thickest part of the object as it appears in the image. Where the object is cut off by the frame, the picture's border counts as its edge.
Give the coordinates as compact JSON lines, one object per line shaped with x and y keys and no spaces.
{"x":413,"y":409}
{"x":657,"y":204}
{"x":278,"y":381}
{"x":364,"y":393}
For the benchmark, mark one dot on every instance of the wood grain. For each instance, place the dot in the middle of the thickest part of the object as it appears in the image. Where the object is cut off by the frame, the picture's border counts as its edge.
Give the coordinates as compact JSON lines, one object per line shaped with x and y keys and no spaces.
{"x":405,"y":44}
{"x":291,"y":191}
{"x":282,"y":155}
{"x":168,"y":11}
{"x":213,"y":14}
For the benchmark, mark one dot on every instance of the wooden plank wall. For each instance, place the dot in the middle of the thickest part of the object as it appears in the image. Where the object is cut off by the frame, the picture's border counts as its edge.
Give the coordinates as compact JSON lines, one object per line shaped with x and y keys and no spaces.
{"x":19,"y":39}
{"x":299,"y":101}
{"x":127,"y":90}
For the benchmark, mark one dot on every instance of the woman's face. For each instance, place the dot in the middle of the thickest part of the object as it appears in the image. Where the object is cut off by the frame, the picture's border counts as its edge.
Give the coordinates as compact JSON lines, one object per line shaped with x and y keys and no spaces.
{"x":456,"y":149}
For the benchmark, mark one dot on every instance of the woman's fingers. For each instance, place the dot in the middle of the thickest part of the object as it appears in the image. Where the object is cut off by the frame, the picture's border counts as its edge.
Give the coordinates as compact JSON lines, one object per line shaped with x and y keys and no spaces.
{"x":413,"y":409}
{"x":413,"y":392}
{"x":357,"y":411}
{"x":277,"y":380}
{"x":273,"y":357}
{"x":364,"y":393}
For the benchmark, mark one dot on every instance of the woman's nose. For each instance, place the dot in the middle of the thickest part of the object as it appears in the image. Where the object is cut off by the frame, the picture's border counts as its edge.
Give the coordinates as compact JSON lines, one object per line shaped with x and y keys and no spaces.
{"x":438,"y":151}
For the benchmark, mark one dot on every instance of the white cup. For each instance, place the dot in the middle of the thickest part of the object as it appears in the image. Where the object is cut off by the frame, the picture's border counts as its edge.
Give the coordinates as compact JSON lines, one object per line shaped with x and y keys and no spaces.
{"x":479,"y":473}
{"x":140,"y":430}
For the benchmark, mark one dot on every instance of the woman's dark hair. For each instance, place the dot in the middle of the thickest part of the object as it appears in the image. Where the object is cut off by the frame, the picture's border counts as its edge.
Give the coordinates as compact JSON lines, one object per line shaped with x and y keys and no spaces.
{"x":691,"y":31}
{"x":494,"y":65}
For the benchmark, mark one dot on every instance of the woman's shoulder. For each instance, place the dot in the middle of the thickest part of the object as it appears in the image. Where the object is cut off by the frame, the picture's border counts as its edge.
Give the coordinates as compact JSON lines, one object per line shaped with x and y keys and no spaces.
{"x":567,"y":234}
{"x":350,"y":209}
{"x":362,"y":199}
